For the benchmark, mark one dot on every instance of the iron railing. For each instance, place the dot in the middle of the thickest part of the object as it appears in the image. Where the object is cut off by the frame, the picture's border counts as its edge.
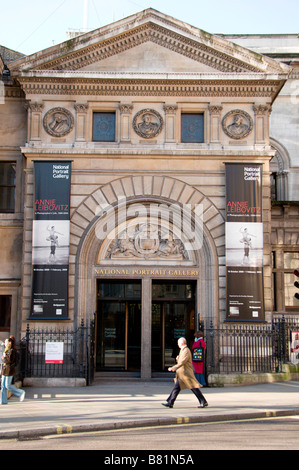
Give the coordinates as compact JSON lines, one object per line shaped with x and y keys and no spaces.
{"x":231,"y":348}
{"x":245,"y":348}
{"x":78,"y":353}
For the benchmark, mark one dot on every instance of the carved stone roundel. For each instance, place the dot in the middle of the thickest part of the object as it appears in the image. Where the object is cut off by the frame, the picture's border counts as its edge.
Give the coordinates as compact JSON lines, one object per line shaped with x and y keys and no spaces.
{"x":58,"y":122}
{"x":147,"y":123}
{"x":237,"y":124}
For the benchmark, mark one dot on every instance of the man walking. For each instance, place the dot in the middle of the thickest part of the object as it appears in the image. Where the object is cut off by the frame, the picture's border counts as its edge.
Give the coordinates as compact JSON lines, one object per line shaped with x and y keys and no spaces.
{"x":184,"y":376}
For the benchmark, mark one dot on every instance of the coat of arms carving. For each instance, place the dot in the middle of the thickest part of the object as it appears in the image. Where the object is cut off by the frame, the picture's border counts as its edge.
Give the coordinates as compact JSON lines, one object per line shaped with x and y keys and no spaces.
{"x":147,"y":241}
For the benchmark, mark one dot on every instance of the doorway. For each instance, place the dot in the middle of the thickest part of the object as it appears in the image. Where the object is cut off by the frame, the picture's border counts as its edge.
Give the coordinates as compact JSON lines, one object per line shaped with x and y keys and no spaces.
{"x":118,"y":339}
{"x":173,"y":316}
{"x":119,"y":326}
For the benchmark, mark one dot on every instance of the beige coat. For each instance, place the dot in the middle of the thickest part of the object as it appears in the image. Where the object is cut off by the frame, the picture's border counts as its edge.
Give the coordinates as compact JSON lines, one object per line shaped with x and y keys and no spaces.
{"x":184,"y":370}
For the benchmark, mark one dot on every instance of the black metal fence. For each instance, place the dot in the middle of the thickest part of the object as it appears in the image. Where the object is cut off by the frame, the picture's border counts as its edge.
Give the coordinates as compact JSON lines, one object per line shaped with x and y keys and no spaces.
{"x":78,"y":353}
{"x":231,"y":348}
{"x":245,"y":348}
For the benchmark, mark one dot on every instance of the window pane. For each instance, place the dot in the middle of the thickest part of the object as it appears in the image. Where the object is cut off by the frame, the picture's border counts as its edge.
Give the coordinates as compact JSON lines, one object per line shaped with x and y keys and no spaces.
{"x":7,"y":186}
{"x":291,"y":260}
{"x":5,"y":312}
{"x":7,"y":199}
{"x":115,"y":289}
{"x":7,"y":173}
{"x":290,"y":290}
{"x":192,"y":127}
{"x":103,"y":127}
{"x":169,"y":290}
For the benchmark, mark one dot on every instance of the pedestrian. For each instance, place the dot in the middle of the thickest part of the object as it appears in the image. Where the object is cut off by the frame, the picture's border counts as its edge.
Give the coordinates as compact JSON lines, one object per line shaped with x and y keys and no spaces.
{"x":8,"y":372}
{"x":198,"y":363}
{"x":184,"y":376}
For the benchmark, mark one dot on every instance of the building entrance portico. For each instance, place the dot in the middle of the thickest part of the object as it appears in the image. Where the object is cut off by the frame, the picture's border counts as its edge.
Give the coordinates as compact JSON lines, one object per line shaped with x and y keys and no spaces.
{"x":148,"y":268}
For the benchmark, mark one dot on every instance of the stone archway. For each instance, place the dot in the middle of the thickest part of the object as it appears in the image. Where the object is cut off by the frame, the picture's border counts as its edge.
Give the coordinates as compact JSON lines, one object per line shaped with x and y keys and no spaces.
{"x":95,"y":209}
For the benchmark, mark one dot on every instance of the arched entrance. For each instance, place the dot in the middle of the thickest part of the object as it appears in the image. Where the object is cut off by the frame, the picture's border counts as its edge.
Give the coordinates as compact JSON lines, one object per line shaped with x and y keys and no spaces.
{"x":148,"y":246}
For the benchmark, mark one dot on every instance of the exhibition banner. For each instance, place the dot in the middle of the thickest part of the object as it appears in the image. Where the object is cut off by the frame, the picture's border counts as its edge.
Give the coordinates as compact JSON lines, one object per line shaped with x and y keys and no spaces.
{"x":244,"y":242}
{"x":50,"y":240}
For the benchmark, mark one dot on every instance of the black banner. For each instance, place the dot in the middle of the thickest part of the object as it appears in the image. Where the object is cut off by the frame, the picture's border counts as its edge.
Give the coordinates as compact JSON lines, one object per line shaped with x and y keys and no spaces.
{"x":50,"y":241}
{"x":244,"y":242}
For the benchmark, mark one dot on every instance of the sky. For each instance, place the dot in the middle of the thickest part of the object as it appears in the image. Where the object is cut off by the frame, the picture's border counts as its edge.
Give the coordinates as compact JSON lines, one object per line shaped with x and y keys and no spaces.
{"x":33,"y":25}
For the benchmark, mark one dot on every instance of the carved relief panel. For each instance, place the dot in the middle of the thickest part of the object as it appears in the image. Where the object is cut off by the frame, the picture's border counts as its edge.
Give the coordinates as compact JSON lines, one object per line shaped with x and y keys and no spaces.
{"x":58,"y":122}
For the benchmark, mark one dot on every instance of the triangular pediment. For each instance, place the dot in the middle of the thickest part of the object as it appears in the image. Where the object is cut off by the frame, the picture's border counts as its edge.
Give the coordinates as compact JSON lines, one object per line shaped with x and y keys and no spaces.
{"x":147,"y":58}
{"x":149,"y":42}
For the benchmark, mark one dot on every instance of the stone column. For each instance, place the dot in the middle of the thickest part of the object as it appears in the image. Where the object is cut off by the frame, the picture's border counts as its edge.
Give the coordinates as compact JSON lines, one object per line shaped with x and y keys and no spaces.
{"x":215,"y":113}
{"x":170,"y":112}
{"x":35,"y":121}
{"x":261,"y":124}
{"x":81,"y":110}
{"x":125,"y":122}
{"x":146,"y":329}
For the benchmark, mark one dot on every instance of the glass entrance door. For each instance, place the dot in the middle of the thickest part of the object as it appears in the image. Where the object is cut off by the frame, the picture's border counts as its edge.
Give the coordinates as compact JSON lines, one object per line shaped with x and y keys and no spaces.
{"x":119,"y":326}
{"x":173,"y":316}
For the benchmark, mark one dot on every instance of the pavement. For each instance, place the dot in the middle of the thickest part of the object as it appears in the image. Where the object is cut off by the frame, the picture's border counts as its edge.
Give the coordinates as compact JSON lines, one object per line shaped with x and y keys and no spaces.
{"x":114,"y":404}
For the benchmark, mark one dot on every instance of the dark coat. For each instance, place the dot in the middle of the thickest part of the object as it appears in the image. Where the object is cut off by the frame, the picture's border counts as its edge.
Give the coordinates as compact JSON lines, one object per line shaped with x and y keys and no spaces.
{"x":9,"y":368}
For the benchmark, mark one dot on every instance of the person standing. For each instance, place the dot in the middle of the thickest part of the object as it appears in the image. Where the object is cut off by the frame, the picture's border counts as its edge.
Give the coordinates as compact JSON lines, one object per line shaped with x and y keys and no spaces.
{"x":198,"y":366}
{"x":185,"y":378}
{"x":8,"y":372}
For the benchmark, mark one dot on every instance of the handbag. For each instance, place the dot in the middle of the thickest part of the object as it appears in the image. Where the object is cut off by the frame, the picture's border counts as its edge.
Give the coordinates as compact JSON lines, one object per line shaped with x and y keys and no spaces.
{"x":198,"y":354}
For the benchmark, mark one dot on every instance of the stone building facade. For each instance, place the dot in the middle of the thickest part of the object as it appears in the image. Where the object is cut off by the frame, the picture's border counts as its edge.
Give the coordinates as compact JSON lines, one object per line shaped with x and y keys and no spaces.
{"x":148,"y":110}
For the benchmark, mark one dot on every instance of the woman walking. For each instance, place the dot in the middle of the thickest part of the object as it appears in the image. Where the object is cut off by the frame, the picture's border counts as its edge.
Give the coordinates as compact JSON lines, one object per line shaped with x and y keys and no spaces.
{"x":8,"y":372}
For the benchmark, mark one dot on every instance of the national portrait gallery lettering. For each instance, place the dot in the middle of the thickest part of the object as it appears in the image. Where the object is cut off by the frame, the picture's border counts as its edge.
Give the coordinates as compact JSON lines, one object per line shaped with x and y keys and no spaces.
{"x":50,"y":240}
{"x":244,"y":242}
{"x":146,"y":272}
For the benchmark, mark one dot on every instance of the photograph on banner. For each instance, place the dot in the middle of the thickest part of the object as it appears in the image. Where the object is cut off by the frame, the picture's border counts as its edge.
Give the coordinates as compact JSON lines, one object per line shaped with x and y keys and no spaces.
{"x":244,"y":244}
{"x":50,"y":242}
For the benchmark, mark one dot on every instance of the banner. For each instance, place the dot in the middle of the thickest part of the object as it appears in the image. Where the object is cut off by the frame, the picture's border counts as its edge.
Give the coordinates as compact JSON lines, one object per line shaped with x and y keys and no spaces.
{"x":244,"y":242}
{"x":50,"y":241}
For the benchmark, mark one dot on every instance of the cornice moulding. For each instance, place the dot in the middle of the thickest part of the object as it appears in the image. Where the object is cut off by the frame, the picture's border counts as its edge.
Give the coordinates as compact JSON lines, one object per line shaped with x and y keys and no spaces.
{"x":208,"y":87}
{"x":32,"y":152}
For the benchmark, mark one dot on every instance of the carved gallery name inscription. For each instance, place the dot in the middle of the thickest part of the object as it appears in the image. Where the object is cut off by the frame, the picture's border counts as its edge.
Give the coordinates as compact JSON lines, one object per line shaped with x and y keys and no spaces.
{"x":151,"y":272}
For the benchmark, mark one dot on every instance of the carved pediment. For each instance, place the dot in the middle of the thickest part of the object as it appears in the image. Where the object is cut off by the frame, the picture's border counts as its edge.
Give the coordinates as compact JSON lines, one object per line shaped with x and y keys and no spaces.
{"x":142,"y":239}
{"x":149,"y":42}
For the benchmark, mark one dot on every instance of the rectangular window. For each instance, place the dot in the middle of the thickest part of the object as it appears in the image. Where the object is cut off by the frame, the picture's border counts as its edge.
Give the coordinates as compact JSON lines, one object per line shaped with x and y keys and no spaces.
{"x":7,"y":186}
{"x":103,"y":127}
{"x":291,"y":261}
{"x":290,"y":290}
{"x":5,"y":312}
{"x":192,"y":127}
